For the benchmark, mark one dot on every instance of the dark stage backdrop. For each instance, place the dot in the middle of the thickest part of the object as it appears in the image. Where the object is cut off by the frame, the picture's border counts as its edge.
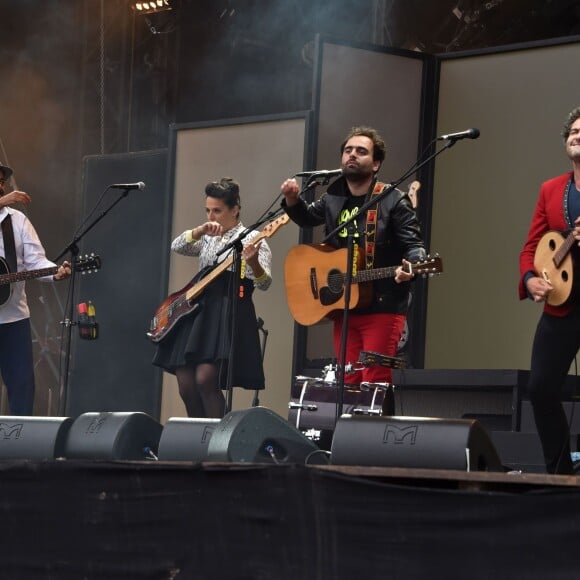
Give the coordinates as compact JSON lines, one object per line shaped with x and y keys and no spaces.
{"x":114,"y":372}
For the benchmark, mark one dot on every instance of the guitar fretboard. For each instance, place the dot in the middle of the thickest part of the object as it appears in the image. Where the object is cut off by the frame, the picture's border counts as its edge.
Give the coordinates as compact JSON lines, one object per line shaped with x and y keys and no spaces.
{"x":563,"y":250}
{"x":19,"y":276}
{"x":375,"y":274}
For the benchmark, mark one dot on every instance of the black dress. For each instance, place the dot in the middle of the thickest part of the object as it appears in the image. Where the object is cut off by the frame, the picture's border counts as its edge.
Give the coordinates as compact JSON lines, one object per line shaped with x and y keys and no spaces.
{"x":206,"y":335}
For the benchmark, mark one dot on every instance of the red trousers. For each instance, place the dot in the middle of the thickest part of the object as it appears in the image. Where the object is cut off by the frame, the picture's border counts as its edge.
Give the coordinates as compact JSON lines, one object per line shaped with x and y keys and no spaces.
{"x":371,"y":332}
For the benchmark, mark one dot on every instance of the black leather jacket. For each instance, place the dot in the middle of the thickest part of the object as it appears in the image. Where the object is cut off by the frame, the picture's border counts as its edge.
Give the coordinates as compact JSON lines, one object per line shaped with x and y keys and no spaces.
{"x":398,"y":236}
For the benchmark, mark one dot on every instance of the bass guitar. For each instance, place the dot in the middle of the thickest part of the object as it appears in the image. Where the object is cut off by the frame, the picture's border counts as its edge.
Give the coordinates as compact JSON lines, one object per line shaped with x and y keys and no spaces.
{"x":85,"y":264}
{"x":182,"y":302}
{"x":315,"y":275}
{"x":553,"y":262}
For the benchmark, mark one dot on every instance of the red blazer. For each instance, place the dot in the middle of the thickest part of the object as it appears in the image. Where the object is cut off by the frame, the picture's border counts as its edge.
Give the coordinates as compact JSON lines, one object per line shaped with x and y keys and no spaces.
{"x":548,"y":215}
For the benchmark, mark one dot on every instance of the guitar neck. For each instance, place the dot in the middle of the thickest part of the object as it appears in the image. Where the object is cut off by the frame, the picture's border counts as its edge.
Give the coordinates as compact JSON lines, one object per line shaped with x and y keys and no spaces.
{"x":19,"y":276}
{"x":268,"y":231}
{"x":563,"y":250}
{"x":375,"y":274}
{"x":209,"y":278}
{"x":428,"y":267}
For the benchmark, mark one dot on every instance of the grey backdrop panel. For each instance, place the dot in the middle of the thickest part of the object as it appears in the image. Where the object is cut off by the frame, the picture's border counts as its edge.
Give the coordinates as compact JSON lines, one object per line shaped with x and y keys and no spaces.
{"x":114,"y":372}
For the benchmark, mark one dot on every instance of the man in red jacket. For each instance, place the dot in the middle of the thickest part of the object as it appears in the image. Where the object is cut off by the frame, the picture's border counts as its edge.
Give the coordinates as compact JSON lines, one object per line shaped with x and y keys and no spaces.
{"x":557,"y":337}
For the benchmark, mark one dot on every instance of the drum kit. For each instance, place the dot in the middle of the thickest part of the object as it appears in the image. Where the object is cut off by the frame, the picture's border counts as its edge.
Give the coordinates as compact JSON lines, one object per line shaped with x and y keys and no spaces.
{"x":313,"y":404}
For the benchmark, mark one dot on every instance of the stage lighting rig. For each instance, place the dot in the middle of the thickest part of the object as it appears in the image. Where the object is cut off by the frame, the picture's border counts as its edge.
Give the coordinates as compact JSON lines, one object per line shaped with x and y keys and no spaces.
{"x":152,"y":7}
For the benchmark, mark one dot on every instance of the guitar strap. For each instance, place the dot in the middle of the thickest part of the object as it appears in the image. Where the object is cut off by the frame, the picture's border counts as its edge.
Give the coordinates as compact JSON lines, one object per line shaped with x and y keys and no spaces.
{"x":9,"y":245}
{"x":371,"y":227}
{"x":567,"y":205}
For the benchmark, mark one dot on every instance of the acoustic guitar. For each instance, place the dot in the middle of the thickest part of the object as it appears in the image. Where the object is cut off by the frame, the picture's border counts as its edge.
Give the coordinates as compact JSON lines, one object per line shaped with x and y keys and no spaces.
{"x":553,"y":262}
{"x":182,"y":303}
{"x":315,"y":276}
{"x":85,"y":264}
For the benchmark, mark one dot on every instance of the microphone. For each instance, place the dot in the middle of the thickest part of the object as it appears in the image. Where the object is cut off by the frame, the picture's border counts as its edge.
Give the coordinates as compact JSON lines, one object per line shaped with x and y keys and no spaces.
{"x":325,"y":173}
{"x":468,"y":134}
{"x":139,"y":185}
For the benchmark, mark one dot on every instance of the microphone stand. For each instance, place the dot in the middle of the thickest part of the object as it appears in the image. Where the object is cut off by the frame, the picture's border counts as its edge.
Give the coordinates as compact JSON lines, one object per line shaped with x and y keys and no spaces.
{"x":264,"y":331}
{"x":372,"y":201}
{"x":73,"y":248}
{"x":237,"y":251}
{"x":236,"y":246}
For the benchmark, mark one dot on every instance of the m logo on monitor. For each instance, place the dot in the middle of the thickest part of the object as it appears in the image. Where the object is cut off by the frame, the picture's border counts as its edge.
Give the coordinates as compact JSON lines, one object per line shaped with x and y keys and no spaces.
{"x":406,"y":435}
{"x":10,"y":430}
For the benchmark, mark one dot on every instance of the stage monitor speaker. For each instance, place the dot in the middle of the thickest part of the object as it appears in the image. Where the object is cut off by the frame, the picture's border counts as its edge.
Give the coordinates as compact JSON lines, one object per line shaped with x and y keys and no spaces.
{"x":414,"y":442}
{"x":186,"y":439}
{"x":113,"y":435}
{"x":258,"y":435}
{"x":33,"y":437}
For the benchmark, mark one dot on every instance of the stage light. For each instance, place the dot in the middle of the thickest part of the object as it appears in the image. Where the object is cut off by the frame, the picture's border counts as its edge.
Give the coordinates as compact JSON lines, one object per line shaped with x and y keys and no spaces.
{"x":152,"y":6}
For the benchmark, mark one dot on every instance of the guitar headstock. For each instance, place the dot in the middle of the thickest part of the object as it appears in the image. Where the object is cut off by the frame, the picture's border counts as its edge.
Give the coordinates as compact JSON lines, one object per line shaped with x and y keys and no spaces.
{"x":88,"y":264}
{"x":274,"y":226}
{"x":414,"y":188}
{"x":429,"y":267}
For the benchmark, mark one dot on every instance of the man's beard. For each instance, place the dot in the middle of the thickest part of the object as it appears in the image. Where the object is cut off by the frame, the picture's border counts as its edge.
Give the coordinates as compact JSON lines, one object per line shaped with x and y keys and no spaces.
{"x":356,"y":174}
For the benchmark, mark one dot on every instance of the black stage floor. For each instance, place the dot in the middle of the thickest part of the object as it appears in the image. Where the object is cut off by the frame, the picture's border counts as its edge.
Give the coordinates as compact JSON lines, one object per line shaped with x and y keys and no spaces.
{"x":154,"y":519}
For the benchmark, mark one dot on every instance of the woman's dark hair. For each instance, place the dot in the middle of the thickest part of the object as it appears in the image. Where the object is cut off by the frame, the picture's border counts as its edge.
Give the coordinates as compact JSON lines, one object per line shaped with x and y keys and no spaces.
{"x":572,"y":117}
{"x":225,"y":189}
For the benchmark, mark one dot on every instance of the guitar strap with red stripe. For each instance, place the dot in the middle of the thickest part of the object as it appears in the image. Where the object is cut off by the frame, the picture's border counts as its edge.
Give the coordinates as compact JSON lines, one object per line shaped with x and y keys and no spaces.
{"x":9,"y":245}
{"x":371,"y":227}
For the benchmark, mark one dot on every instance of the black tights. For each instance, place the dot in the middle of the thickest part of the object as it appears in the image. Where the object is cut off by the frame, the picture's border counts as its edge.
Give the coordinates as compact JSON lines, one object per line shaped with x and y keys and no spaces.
{"x":200,"y":391}
{"x":555,"y":345}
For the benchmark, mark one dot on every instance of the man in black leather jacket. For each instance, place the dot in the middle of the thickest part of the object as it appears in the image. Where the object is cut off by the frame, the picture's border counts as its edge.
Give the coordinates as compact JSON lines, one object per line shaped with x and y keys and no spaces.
{"x":394,"y":240}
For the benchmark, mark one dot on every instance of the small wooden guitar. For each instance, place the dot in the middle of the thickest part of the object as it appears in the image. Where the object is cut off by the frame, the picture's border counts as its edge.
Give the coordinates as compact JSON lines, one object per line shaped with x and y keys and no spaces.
{"x":315,"y":276}
{"x":182,"y":302}
{"x":553,"y":262}
{"x":85,"y":264}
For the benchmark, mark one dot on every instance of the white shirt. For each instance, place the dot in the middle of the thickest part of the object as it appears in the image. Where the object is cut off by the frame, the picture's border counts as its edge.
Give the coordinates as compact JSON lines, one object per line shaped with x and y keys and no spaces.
{"x":207,"y":248}
{"x":30,"y":255}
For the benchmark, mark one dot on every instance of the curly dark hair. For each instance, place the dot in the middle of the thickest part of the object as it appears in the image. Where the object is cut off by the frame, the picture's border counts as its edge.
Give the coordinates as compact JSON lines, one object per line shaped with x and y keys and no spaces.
{"x":573,"y":115}
{"x":225,"y":189}
{"x":379,"y":149}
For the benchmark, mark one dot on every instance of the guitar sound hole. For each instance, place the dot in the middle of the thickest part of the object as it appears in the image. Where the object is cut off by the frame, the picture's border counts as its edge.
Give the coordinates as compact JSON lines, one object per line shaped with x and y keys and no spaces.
{"x":335,"y":281}
{"x":564,"y":275}
{"x":552,"y":245}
